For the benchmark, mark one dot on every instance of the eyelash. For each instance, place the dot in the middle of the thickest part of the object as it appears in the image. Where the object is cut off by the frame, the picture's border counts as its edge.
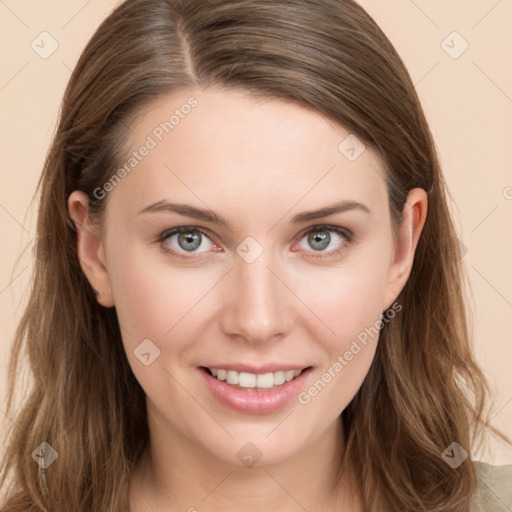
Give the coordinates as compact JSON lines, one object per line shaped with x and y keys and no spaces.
{"x":346,"y":234}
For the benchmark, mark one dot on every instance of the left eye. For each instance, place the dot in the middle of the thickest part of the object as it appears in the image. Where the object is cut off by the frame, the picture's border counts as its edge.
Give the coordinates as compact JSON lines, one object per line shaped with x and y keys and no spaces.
{"x":320,"y":238}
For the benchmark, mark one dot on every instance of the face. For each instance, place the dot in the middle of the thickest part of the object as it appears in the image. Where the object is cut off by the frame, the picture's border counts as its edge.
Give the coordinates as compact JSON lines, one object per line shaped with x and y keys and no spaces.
{"x":242,"y":280}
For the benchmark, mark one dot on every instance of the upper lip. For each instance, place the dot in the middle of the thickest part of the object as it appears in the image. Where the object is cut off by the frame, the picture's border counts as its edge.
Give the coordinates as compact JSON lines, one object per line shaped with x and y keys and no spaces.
{"x":250,"y":368}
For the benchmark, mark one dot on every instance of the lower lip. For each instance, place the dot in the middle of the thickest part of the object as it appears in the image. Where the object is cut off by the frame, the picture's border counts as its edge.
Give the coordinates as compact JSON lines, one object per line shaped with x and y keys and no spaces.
{"x":254,"y":401}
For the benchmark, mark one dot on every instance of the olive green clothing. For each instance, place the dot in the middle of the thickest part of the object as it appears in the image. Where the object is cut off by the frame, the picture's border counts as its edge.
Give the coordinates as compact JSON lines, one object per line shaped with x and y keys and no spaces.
{"x":494,"y":488}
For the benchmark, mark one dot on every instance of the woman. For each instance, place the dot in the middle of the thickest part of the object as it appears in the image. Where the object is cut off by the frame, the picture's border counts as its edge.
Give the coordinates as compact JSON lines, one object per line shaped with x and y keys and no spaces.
{"x":248,"y":291}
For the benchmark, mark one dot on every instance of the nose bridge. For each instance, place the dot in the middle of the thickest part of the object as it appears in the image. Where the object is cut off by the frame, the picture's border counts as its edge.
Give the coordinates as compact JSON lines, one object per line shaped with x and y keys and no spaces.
{"x":257,"y":305}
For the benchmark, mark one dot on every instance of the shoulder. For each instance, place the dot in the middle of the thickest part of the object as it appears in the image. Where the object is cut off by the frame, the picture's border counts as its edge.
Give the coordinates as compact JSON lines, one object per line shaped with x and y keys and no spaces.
{"x":494,"y":493}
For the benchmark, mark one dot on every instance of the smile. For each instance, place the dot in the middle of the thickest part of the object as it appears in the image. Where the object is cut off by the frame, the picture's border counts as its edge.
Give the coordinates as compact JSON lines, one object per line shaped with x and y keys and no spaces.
{"x":248,"y":392}
{"x":248,"y":380}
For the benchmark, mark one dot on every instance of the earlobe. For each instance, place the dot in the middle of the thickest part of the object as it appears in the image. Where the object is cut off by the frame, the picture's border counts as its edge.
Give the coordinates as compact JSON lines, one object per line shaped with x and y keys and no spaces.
{"x":409,"y":231}
{"x":90,"y":248}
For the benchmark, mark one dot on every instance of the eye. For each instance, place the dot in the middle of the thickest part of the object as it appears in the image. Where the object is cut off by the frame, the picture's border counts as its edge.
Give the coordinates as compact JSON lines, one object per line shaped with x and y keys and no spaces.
{"x":320,"y":238}
{"x":186,"y":239}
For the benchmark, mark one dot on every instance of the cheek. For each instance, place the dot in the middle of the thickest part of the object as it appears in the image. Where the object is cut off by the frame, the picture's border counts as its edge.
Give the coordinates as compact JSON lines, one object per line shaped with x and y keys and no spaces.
{"x":348,"y":353}
{"x":138,"y":297}
{"x":350,"y":307}
{"x":154,"y":304}
{"x":151,"y":297}
{"x":335,"y":385}
{"x":348,"y":301}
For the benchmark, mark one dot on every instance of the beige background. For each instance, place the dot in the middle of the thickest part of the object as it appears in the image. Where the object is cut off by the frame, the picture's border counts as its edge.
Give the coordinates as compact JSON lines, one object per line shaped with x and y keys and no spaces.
{"x":467,"y":100}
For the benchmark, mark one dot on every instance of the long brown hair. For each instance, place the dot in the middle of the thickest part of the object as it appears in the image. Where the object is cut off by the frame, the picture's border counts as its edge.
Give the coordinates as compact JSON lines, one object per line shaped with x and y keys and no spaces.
{"x":424,"y":389}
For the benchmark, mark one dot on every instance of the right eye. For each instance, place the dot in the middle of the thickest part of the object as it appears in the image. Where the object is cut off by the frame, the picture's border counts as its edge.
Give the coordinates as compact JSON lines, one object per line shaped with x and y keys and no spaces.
{"x":182,"y":240}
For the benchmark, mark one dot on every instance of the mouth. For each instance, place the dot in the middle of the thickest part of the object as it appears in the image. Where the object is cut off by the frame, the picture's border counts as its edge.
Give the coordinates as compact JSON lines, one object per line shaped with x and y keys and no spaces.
{"x":254,"y":381}
{"x":251,"y":390}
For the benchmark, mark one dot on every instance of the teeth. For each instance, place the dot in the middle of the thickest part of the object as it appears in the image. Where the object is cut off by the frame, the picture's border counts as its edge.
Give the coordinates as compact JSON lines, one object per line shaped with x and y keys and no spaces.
{"x":279,"y":378}
{"x":246,"y":380}
{"x":265,"y":381}
{"x":252,"y":380}
{"x":232,"y":377}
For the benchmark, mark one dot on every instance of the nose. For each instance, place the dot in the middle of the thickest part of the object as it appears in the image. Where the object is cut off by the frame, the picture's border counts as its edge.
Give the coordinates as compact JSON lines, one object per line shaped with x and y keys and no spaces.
{"x":256,"y":305}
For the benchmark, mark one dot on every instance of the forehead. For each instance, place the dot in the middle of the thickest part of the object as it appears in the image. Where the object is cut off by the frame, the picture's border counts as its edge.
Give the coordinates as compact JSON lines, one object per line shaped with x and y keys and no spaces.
{"x":234,"y":148}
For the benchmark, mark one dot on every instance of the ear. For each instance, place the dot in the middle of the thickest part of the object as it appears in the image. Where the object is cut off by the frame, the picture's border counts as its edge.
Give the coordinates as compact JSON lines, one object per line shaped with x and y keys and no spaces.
{"x":90,"y":248}
{"x":409,"y":230}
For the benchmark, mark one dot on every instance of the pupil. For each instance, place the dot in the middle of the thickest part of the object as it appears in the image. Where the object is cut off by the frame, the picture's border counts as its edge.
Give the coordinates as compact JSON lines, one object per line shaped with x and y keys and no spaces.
{"x":320,"y":240}
{"x":189,"y":238}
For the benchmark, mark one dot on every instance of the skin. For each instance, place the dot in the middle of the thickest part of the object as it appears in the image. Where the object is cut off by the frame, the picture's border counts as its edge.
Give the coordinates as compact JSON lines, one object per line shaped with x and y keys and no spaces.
{"x":257,"y":163}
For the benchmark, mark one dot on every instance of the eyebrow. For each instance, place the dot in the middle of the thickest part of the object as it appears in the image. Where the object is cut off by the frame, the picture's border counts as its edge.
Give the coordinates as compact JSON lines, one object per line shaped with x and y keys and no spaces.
{"x":214,"y":218}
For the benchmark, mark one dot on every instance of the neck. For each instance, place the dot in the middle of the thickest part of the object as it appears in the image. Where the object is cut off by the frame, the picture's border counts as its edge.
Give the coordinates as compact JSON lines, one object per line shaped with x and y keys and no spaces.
{"x":175,"y":474}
